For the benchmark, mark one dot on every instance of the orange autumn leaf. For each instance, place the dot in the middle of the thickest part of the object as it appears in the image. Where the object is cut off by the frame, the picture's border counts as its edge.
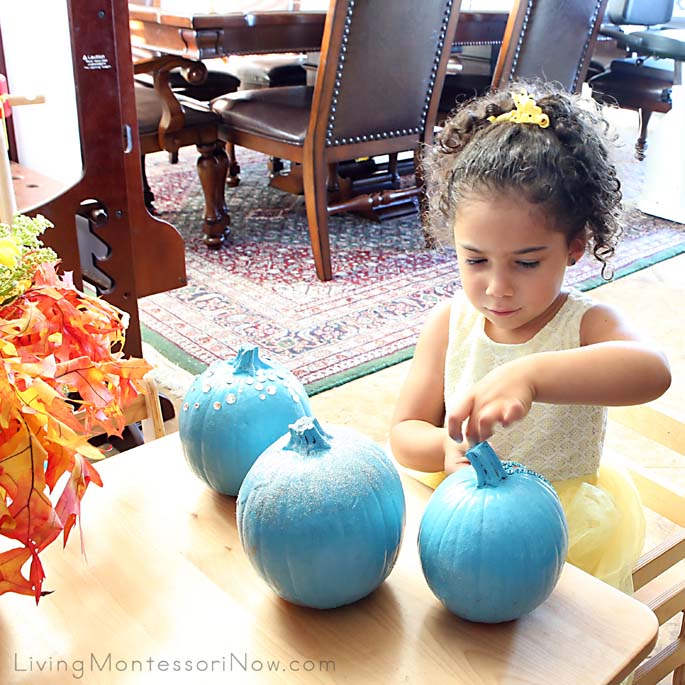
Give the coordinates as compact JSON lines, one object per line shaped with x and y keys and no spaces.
{"x":11,"y":579}
{"x":62,"y":377}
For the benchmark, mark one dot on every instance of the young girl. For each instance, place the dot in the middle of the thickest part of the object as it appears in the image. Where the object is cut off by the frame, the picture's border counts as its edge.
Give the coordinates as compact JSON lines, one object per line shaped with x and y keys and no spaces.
{"x":523,"y":182}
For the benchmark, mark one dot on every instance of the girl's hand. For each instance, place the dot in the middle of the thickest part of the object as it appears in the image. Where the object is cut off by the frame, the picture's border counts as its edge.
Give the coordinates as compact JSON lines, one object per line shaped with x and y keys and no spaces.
{"x":455,"y":455}
{"x":501,"y":397}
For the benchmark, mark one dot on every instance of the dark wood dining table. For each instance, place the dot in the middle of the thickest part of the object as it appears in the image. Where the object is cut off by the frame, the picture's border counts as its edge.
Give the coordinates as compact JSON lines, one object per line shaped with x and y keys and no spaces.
{"x":204,"y":29}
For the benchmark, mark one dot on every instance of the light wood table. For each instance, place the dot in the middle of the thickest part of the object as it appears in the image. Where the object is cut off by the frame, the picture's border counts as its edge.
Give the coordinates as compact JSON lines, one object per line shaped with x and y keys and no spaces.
{"x":166,"y":586}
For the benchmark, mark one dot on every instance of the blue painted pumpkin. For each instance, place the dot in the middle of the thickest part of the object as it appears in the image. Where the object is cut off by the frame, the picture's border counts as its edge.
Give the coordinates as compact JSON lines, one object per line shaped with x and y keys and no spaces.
{"x":233,"y":411}
{"x":493,"y":539}
{"x":321,"y":515}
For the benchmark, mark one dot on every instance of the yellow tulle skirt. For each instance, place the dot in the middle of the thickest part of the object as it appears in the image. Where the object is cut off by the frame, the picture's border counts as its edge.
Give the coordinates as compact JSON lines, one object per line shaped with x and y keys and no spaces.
{"x":606,"y":524}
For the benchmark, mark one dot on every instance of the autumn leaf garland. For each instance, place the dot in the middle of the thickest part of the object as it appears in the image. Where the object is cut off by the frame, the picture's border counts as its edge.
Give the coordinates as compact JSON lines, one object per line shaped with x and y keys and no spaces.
{"x":62,"y":377}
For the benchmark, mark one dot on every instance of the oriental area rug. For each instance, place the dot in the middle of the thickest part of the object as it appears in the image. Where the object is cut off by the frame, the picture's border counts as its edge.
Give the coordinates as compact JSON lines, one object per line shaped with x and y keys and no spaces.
{"x":260,"y":287}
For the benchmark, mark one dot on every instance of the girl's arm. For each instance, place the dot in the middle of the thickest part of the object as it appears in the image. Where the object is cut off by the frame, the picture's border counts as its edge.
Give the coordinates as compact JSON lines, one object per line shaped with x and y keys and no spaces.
{"x":417,"y":434}
{"x":614,"y":366}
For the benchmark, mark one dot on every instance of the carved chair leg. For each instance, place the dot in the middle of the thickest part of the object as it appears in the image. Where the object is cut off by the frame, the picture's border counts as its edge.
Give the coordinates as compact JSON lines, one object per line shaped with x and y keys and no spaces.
{"x":148,"y":195}
{"x":641,"y":144}
{"x":233,"y":167}
{"x":315,"y":195}
{"x":211,"y":169}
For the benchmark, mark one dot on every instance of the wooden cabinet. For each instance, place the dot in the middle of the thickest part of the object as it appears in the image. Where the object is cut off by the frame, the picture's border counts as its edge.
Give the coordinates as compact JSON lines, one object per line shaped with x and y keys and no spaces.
{"x":124,"y":251}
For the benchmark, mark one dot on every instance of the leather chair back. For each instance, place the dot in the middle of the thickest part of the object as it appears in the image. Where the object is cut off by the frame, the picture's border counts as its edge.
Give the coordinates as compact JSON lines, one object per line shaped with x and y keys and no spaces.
{"x":382,"y":67}
{"x":552,"y":41}
{"x":640,"y":12}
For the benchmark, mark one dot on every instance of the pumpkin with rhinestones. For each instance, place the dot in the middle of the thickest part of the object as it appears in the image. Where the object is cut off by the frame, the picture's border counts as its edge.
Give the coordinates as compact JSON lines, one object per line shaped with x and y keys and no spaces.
{"x":233,"y":411}
{"x":493,"y":539}
{"x":321,"y":515}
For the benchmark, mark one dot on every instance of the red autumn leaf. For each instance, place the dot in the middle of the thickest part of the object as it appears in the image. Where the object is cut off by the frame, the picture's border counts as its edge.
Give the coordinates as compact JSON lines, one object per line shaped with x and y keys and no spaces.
{"x":69,"y":504}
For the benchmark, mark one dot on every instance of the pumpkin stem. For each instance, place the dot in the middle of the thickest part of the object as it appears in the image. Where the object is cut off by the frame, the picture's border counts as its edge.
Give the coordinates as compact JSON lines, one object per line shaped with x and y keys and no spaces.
{"x":307,"y":436}
{"x":247,"y":360}
{"x":489,"y":468}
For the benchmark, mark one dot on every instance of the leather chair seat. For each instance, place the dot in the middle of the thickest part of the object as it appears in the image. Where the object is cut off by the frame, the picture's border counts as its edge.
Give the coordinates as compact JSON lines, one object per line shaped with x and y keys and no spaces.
{"x":218,"y":83}
{"x":281,"y":114}
{"x":651,"y":68}
{"x":634,"y":82}
{"x":149,"y":111}
{"x":268,"y":71}
{"x":632,"y":91}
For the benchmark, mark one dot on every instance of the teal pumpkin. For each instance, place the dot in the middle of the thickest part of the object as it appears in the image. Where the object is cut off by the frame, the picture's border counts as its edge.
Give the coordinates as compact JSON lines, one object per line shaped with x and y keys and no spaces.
{"x":321,"y":515}
{"x":233,"y":411}
{"x":493,"y":539}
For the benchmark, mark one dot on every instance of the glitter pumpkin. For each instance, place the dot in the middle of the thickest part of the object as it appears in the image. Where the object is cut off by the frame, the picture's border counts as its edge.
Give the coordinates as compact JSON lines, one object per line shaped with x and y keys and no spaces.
{"x":321,"y":515}
{"x":233,"y":411}
{"x":493,"y":539}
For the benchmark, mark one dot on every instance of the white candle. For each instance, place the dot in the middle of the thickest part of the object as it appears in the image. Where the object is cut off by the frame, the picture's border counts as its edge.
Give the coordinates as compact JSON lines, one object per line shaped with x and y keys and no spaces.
{"x":8,"y":204}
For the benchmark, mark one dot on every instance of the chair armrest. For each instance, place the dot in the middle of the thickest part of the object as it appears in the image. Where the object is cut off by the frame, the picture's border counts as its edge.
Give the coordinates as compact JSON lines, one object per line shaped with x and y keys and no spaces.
{"x":613,"y":31}
{"x":192,"y":71}
{"x":173,"y":118}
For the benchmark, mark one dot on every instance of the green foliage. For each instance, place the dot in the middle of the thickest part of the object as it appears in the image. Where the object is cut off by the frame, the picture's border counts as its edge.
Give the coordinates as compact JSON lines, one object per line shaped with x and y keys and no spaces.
{"x":21,"y":251}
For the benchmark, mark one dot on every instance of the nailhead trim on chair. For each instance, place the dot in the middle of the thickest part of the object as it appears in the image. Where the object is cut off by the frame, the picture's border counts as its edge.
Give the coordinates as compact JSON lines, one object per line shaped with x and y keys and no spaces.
{"x":522,"y":36}
{"x":336,"y":90}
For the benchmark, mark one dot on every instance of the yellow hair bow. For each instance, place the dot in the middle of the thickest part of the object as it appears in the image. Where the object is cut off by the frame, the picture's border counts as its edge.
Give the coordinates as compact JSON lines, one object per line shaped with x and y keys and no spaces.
{"x":526,"y":112}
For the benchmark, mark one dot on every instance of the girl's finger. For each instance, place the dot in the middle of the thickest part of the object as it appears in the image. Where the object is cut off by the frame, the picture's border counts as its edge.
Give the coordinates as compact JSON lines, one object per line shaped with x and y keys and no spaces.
{"x":456,"y":417}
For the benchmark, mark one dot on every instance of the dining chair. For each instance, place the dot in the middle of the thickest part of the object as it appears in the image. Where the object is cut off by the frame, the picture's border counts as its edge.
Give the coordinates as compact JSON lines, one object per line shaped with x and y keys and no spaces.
{"x":658,"y":578}
{"x":362,"y":105}
{"x":542,"y":40}
{"x":171,"y":118}
{"x":549,"y":41}
{"x":643,"y":79}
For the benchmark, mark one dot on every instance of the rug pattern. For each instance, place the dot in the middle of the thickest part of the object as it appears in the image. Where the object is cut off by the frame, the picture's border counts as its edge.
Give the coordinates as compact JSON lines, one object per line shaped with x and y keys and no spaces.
{"x":261,"y":287}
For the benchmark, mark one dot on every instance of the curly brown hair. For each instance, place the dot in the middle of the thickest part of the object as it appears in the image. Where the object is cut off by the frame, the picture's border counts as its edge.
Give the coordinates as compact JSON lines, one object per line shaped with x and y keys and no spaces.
{"x":565,"y":167}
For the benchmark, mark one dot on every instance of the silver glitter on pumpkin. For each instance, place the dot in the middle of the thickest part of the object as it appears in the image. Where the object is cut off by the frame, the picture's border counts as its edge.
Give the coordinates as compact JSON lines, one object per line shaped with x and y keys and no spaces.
{"x":185,"y":407}
{"x":271,"y":389}
{"x":206,"y":387}
{"x":196,"y":405}
{"x":231,"y":399}
{"x":217,"y":405}
{"x":262,"y":396}
{"x":259,"y":386}
{"x":249,"y":380}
